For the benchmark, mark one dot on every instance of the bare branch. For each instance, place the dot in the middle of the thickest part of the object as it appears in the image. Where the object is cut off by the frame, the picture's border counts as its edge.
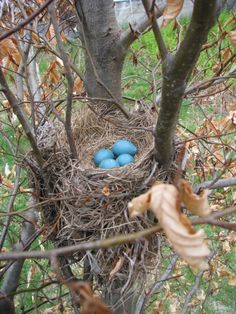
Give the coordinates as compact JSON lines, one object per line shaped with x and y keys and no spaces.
{"x":156,"y":30}
{"x":27,"y":21}
{"x":22,"y":118}
{"x":70,"y":81}
{"x":10,"y":206}
{"x":223,"y":183}
{"x":12,"y":276}
{"x":143,"y":299}
{"x":176,"y":72}
{"x":69,"y":250}
{"x":194,"y":288}
{"x":129,"y":36}
{"x":107,"y":243}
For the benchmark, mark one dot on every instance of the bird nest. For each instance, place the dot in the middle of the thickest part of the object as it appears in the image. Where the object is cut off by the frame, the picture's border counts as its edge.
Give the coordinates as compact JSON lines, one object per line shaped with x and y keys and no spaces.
{"x":93,"y":202}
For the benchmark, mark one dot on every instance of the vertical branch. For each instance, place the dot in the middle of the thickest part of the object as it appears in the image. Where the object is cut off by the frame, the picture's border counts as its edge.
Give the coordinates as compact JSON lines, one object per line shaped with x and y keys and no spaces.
{"x":176,"y":72}
{"x":9,"y":207}
{"x":22,"y":118}
{"x":32,"y":79}
{"x":12,"y":277}
{"x":70,"y":81}
{"x":156,"y":30}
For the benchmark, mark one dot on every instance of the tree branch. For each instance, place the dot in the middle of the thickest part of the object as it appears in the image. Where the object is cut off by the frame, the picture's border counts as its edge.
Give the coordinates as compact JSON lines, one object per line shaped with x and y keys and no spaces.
{"x":22,"y":118}
{"x":143,"y":299}
{"x":217,"y":185}
{"x":108,"y":243}
{"x":176,"y":72}
{"x":129,"y":36}
{"x":194,"y":288}
{"x":70,"y":81}
{"x":27,"y":21}
{"x":12,"y":277}
{"x":9,"y":207}
{"x":156,"y":30}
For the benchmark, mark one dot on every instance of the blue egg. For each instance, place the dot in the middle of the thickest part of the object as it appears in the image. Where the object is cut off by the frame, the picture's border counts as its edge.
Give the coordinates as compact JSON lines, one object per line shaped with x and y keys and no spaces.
{"x":124,"y":147}
{"x":109,"y":163}
{"x":125,"y":159}
{"x":102,"y":154}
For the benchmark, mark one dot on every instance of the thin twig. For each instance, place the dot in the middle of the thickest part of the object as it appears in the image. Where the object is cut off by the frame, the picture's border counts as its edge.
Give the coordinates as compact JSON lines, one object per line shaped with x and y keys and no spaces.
{"x":216,"y":185}
{"x":194,"y":289}
{"x":27,"y":21}
{"x":70,"y":81}
{"x":156,"y":30}
{"x":143,"y":299}
{"x":9,"y":206}
{"x":22,"y":118}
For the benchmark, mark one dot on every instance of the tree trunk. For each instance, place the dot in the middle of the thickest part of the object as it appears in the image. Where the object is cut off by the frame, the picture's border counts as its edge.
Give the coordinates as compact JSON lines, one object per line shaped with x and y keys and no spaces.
{"x":104,"y":55}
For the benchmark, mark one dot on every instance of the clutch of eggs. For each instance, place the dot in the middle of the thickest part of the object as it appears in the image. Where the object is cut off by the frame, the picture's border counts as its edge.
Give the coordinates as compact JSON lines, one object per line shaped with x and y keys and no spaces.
{"x":122,"y":150}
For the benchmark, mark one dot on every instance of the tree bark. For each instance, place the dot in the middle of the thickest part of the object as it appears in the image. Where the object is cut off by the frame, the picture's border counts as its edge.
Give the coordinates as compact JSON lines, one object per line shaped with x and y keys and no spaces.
{"x":12,"y":277}
{"x":176,"y":72}
{"x":104,"y":56}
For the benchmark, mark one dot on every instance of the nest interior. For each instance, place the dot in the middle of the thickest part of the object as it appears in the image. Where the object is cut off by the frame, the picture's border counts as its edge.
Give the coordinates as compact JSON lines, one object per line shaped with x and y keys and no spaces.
{"x":95,"y":200}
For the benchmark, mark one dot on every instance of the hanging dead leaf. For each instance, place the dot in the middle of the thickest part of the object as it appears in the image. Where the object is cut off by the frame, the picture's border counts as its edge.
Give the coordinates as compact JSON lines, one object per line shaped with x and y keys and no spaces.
{"x":7,"y":47}
{"x":232,"y":36}
{"x":9,"y":55}
{"x":172,"y":10}
{"x":197,"y":204}
{"x":227,"y":54}
{"x":117,"y":267}
{"x":78,"y":85}
{"x":90,"y":302}
{"x":164,"y":201}
{"x":140,"y":204}
{"x":50,"y":35}
{"x":52,"y":74}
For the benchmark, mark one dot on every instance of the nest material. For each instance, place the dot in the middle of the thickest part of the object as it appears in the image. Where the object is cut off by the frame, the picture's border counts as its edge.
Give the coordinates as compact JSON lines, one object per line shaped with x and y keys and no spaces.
{"x":95,"y":200}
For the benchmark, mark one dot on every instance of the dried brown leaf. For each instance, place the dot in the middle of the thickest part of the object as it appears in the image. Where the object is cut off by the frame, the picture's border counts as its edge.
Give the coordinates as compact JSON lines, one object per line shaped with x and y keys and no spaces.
{"x":227,"y":54}
{"x":106,"y":191}
{"x":232,"y":36}
{"x":139,"y":204}
{"x":172,"y":10}
{"x":90,"y":302}
{"x":50,"y":35}
{"x":164,"y":201}
{"x":117,"y":267}
{"x":78,"y":85}
{"x":197,"y":204}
